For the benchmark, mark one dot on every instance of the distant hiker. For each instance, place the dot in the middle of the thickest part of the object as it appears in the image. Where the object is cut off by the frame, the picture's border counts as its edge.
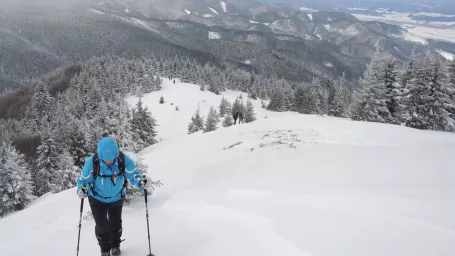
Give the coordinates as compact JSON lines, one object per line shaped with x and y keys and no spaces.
{"x":238,"y":115}
{"x":174,"y":81}
{"x":103,"y":179}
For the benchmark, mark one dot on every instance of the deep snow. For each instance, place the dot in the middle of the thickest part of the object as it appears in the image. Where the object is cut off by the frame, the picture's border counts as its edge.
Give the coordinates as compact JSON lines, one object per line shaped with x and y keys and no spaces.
{"x":288,"y":184}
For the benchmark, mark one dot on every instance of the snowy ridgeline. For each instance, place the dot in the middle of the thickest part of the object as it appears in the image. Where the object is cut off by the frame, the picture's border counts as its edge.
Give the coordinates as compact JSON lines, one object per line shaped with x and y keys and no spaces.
{"x":288,"y":184}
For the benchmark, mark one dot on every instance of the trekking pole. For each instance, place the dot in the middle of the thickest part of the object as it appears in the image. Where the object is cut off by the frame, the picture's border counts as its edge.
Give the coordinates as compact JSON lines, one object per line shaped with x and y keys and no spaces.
{"x":147,"y":215}
{"x":80,"y":221}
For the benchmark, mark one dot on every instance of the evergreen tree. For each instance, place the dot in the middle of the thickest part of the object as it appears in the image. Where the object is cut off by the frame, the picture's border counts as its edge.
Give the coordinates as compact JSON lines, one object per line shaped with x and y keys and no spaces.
{"x":451,"y":87}
{"x":307,"y":100}
{"x":65,"y":175}
{"x":47,"y":165}
{"x":371,"y":100}
{"x":409,"y":71}
{"x":228,"y":121}
{"x":143,"y":126}
{"x":393,"y":92}
{"x":78,"y":143}
{"x":212,"y":121}
{"x":249,"y":112}
{"x":197,"y":123}
{"x":339,"y":105}
{"x":41,"y":99}
{"x":225,"y":107}
{"x":430,"y":101}
{"x":16,"y":188}
{"x":323,"y":100}
{"x":277,"y":101}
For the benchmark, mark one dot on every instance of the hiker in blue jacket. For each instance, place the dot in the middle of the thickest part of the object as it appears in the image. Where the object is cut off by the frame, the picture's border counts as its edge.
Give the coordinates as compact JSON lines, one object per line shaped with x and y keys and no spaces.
{"x":103,"y":180}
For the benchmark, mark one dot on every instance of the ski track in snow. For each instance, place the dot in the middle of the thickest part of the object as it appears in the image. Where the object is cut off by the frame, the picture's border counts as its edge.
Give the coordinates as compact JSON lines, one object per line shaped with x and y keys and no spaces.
{"x":286,"y":184}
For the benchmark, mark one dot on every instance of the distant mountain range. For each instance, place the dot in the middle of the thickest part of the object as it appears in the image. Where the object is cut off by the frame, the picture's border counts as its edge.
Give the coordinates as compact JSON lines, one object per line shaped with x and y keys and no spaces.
{"x":267,"y":38}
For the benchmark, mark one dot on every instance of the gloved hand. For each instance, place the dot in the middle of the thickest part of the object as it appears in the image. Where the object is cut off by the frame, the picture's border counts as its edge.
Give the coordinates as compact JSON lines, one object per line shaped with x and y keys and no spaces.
{"x":145,"y":183}
{"x":82,"y":193}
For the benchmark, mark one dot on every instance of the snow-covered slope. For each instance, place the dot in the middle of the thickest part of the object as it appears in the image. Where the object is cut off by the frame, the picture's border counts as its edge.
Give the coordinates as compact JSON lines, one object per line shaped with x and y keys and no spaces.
{"x":288,"y":184}
{"x":173,"y":124}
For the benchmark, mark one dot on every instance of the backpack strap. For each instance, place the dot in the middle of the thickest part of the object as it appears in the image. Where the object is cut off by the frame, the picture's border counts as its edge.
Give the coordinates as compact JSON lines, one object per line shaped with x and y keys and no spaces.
{"x":96,"y":166}
{"x":122,"y":167}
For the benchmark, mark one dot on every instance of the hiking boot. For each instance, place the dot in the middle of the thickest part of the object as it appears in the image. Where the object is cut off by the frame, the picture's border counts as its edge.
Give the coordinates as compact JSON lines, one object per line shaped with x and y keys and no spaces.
{"x":116,"y":251}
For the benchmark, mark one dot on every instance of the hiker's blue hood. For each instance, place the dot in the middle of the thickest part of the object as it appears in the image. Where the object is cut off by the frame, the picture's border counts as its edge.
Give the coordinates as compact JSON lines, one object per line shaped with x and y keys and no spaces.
{"x":107,"y":149}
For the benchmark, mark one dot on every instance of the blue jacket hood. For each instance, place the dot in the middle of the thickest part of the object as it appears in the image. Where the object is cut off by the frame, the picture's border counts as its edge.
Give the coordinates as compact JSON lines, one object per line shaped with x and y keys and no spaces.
{"x":107,"y":149}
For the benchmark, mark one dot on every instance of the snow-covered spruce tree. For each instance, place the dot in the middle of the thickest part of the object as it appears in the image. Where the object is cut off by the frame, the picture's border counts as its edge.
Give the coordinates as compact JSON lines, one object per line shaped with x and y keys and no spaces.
{"x":228,"y":121}
{"x":143,"y":126}
{"x":41,"y":99}
{"x":157,"y":83}
{"x":277,"y":101}
{"x":65,"y":175}
{"x":370,"y":102}
{"x":393,"y":92}
{"x":249,"y":112}
{"x":428,"y":96}
{"x":451,"y":89}
{"x":212,"y":121}
{"x":79,"y":146}
{"x":37,"y":111}
{"x":339,"y":104}
{"x":434,"y":114}
{"x":225,"y":107}
{"x":16,"y":188}
{"x":122,"y":129}
{"x":306,"y":100}
{"x":407,"y":73}
{"x":48,"y":164}
{"x":197,"y":122}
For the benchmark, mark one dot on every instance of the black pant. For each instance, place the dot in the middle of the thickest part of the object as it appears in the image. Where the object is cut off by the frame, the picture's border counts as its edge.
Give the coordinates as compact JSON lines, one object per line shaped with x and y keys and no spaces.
{"x":108,"y":219}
